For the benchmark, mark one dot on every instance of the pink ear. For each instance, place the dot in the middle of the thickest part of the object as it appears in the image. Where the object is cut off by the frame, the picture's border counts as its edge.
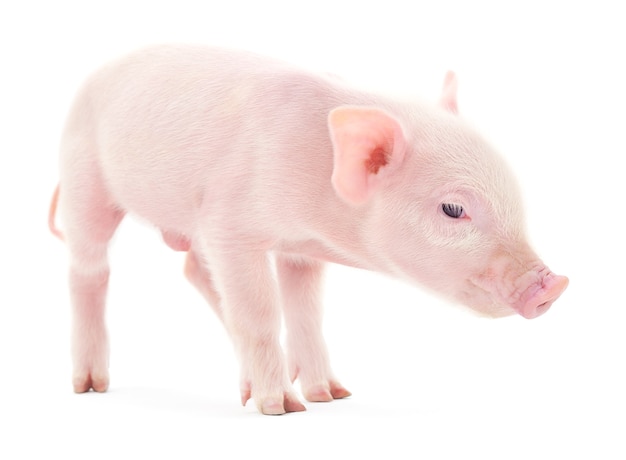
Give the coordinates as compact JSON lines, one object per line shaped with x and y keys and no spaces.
{"x":368,"y":145}
{"x":448,"y":96}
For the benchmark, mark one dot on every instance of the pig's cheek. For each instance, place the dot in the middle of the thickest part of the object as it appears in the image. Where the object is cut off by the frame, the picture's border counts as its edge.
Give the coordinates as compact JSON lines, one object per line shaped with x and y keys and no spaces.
{"x":500,"y":282}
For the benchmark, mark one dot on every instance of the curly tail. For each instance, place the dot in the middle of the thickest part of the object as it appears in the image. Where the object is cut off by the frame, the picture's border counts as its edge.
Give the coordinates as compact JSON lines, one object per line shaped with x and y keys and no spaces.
{"x":52,"y":214}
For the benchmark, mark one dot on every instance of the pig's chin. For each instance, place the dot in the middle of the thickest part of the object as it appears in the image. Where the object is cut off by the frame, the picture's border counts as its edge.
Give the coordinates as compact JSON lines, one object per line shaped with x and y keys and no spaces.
{"x":494,"y":311}
{"x":484,"y":305}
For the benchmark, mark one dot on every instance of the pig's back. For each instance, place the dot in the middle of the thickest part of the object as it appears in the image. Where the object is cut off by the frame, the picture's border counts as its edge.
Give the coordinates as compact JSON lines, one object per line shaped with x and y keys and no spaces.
{"x":180,"y":130}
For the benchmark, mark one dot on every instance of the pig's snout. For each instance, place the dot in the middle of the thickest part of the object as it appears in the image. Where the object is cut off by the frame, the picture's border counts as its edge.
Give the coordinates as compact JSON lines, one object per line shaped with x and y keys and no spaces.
{"x":539,"y":298}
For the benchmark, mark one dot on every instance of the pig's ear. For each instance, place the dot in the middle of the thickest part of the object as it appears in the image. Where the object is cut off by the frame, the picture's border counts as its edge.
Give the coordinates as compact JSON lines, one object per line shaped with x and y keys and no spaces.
{"x":448,"y":95}
{"x":369,"y":144}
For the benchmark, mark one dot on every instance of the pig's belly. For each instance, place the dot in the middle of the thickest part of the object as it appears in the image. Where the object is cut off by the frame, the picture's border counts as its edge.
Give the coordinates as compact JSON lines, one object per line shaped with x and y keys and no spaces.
{"x":166,"y":211}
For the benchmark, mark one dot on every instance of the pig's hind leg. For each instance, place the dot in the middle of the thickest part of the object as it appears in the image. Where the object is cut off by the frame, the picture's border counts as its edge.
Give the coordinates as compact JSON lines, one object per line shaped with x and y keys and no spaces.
{"x":300,"y":282}
{"x":89,"y":222}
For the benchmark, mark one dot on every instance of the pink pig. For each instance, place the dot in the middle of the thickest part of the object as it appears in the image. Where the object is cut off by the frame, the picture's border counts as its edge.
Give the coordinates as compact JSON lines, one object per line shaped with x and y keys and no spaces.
{"x":248,"y":164}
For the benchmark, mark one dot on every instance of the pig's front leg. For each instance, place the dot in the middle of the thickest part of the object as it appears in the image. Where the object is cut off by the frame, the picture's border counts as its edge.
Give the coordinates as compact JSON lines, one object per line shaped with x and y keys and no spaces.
{"x":197,"y":273}
{"x":300,"y":282}
{"x":251,"y":314}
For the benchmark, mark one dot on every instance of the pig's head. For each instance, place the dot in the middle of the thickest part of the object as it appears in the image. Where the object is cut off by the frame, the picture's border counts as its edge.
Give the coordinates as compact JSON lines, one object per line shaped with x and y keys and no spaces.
{"x":440,"y":206}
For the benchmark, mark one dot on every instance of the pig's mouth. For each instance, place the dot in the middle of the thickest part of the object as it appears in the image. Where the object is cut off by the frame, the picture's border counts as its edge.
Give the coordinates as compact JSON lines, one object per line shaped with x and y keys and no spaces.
{"x":483,"y":302}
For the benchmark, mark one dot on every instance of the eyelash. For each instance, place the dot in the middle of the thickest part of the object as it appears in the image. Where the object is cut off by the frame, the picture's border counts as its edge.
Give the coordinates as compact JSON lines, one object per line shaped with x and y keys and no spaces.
{"x":452,"y":210}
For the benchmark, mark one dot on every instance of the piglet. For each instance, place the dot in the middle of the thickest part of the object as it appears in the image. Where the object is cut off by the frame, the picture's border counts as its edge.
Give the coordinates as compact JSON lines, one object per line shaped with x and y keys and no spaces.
{"x":262,"y":172}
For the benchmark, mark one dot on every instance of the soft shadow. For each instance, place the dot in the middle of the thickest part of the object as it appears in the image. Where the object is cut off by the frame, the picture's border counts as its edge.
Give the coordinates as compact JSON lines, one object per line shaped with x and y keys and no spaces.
{"x":175,"y":401}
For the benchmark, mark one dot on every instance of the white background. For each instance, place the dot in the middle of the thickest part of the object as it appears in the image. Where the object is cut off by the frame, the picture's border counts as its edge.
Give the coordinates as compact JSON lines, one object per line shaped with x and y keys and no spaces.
{"x":543,"y":80}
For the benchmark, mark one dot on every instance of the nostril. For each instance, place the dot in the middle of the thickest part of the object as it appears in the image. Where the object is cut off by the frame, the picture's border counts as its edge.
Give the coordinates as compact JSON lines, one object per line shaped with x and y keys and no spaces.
{"x":532,"y":311}
{"x":540,"y":309}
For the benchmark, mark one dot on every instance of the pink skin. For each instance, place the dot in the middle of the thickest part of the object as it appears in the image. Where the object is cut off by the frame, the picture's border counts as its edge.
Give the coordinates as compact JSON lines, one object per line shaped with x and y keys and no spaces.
{"x":244,"y":163}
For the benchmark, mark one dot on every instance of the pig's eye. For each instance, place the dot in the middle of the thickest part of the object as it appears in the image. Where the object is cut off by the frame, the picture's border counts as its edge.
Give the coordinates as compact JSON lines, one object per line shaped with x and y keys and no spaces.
{"x":453,"y":210}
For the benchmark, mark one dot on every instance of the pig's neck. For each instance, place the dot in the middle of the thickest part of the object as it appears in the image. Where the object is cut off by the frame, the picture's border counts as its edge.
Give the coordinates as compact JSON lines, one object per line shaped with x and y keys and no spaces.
{"x":340,"y":236}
